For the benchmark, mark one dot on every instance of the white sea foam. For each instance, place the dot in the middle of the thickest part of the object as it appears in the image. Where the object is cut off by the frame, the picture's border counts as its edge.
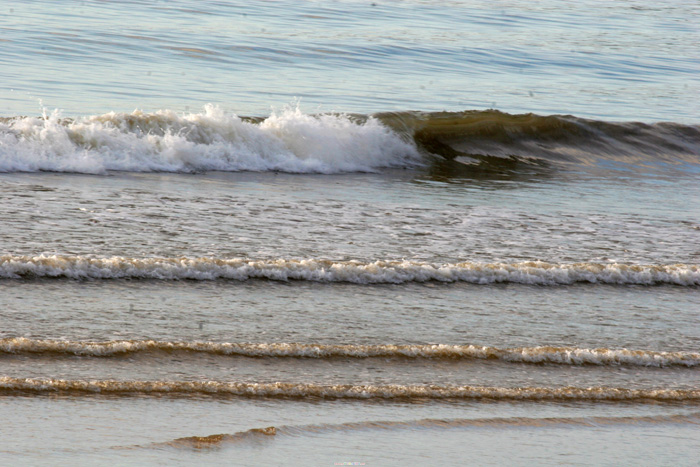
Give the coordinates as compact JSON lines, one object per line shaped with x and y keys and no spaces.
{"x":340,"y":391}
{"x":377,"y":272}
{"x":539,"y":354}
{"x":288,"y":141}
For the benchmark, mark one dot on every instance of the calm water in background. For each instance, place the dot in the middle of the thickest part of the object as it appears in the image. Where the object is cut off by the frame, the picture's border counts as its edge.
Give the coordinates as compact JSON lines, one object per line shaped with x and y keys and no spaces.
{"x":424,"y":287}
{"x":613,"y":60}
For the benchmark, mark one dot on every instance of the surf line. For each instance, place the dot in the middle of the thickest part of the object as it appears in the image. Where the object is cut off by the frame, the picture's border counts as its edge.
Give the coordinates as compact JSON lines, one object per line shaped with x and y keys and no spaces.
{"x":535,"y":355}
{"x":316,"y":270}
{"x":9,"y":385}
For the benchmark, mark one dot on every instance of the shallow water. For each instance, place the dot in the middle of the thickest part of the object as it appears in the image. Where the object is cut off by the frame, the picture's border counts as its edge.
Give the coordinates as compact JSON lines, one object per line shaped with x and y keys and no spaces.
{"x":228,"y":275}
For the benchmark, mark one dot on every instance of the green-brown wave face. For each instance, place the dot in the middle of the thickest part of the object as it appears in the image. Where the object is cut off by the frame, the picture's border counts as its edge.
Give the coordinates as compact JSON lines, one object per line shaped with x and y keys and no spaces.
{"x":500,"y":139}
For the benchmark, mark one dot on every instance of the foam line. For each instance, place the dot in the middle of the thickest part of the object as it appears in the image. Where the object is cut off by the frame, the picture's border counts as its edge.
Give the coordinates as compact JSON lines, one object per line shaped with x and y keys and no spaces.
{"x":10,"y":385}
{"x":376,"y":272}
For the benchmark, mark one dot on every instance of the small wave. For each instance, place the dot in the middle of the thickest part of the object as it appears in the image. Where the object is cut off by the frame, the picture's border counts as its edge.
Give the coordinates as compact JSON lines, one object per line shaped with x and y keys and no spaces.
{"x":377,"y":272}
{"x":10,"y":385}
{"x":540,"y":354}
{"x":431,"y":423}
{"x":215,"y":441}
{"x":218,"y":440}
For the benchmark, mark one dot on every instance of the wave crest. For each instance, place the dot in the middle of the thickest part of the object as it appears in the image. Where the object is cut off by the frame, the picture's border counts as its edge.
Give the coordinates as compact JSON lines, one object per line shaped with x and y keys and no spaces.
{"x":491,"y":136}
{"x":377,"y":272}
{"x":341,"y":391}
{"x":292,"y":141}
{"x":540,"y":354}
{"x":164,"y":141}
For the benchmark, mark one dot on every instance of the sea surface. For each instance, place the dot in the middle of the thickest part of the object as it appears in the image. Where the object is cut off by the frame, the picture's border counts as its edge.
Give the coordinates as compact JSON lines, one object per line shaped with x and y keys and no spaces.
{"x":350,"y":233}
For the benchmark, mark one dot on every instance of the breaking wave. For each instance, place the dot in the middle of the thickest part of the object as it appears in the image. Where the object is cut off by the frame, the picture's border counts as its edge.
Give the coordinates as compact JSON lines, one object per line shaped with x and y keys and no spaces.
{"x":541,"y":354}
{"x":289,"y":141}
{"x":377,"y":272}
{"x":292,"y":141}
{"x":10,"y":385}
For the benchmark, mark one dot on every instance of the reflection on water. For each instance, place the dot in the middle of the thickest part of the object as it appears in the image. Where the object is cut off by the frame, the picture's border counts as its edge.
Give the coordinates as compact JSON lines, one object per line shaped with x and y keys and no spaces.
{"x":483,"y":169}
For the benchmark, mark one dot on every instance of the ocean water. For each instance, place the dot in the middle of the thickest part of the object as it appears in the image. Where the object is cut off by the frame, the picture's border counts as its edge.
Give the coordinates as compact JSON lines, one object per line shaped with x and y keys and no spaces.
{"x":349,"y":233}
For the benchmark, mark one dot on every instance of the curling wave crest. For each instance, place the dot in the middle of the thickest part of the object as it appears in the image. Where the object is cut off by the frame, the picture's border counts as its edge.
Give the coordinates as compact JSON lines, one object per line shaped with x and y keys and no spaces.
{"x":292,"y":141}
{"x":377,"y":272}
{"x":164,"y":141}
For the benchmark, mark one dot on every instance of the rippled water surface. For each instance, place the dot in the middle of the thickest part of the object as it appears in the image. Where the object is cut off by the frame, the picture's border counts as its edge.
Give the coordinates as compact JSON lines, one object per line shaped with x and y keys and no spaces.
{"x":390,"y":233}
{"x":618,"y":60}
